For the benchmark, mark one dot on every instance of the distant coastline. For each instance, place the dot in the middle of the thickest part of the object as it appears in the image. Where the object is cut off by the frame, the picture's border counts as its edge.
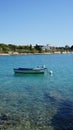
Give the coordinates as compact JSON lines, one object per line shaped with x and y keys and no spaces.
{"x":10,"y":49}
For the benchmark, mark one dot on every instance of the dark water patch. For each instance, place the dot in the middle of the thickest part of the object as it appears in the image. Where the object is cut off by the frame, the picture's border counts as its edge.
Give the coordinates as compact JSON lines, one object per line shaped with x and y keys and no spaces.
{"x":63,"y":120}
{"x":51,"y":102}
{"x":4,"y":117}
{"x":48,"y":97}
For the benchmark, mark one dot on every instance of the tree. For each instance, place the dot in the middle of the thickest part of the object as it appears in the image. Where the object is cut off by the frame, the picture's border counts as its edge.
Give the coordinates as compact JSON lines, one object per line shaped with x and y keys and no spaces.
{"x":30,"y":47}
{"x":39,"y":48}
{"x":12,"y":47}
{"x":71,"y":47}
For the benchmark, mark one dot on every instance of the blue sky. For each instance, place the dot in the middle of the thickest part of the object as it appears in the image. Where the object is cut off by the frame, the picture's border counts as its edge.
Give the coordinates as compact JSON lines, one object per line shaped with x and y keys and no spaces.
{"x":36,"y":22}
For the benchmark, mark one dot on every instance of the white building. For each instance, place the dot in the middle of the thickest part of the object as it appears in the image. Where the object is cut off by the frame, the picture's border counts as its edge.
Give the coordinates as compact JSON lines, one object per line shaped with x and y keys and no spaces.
{"x":47,"y":47}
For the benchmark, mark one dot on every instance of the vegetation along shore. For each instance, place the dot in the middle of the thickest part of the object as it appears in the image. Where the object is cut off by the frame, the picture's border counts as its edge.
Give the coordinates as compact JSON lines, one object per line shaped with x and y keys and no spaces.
{"x":10,"y":49}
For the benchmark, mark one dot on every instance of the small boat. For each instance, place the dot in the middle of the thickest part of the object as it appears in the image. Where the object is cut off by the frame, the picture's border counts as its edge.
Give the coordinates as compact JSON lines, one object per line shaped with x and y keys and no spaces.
{"x":38,"y":70}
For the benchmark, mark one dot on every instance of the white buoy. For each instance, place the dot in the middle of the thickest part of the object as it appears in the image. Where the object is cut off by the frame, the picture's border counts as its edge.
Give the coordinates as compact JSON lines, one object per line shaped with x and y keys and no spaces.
{"x":50,"y":72}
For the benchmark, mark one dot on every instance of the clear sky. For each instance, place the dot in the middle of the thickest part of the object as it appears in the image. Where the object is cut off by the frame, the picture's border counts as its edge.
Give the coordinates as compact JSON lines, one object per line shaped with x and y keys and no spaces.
{"x":36,"y":22}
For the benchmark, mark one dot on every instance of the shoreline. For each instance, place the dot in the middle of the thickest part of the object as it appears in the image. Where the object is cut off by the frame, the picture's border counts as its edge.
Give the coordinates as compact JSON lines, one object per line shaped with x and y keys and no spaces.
{"x":6,"y":54}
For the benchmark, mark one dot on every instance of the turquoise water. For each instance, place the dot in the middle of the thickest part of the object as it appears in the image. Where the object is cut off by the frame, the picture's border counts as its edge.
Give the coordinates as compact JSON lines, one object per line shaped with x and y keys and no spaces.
{"x":36,"y":102}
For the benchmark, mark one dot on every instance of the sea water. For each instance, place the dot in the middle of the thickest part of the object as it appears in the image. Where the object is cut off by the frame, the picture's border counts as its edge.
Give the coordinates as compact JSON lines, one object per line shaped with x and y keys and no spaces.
{"x":36,"y":101}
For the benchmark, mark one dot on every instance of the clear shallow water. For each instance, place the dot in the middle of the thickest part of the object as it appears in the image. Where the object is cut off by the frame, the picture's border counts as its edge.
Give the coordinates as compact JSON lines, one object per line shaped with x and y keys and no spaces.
{"x":36,"y":102}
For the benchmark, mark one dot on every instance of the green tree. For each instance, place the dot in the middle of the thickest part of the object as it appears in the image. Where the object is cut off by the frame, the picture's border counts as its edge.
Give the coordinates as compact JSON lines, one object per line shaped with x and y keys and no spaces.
{"x":38,"y":48}
{"x":71,"y":48}
{"x":12,"y":47}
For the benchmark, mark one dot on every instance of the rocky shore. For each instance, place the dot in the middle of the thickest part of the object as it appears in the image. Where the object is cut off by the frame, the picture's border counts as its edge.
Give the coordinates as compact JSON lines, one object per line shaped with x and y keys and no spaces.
{"x":16,"y":53}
